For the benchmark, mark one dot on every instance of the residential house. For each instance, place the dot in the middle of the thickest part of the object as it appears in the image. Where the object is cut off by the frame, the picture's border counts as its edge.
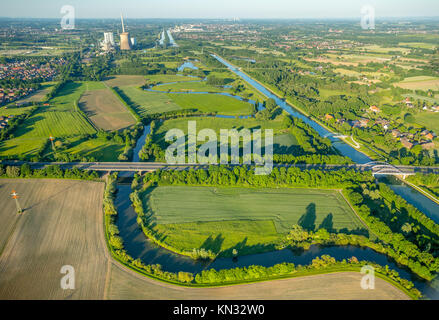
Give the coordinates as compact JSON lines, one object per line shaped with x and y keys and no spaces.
{"x":427,"y":145}
{"x":329,"y":117}
{"x":406,"y":143}
{"x":396,"y":133}
{"x":375,"y":109}
{"x":363,"y":122}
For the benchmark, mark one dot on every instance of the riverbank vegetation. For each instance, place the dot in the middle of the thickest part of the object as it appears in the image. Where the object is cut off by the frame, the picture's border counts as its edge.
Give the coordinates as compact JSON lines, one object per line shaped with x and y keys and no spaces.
{"x":211,"y":277}
{"x":397,"y":238}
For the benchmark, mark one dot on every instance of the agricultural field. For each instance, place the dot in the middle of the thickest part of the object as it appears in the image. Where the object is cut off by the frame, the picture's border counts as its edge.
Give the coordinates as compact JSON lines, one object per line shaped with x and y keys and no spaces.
{"x":13,"y":111}
{"x":419,"y":83}
{"x":98,"y":148}
{"x":146,"y":103}
{"x":62,"y":224}
{"x":220,"y":219}
{"x":380,"y":49}
{"x":105,"y":110}
{"x":167,"y":78}
{"x":190,"y":86}
{"x":217,"y":124}
{"x":60,"y":119}
{"x":223,"y":105}
{"x":63,"y":121}
{"x":128,"y":285}
{"x":36,"y":96}
{"x":421,"y":45}
{"x":428,"y":119}
{"x":125,"y":80}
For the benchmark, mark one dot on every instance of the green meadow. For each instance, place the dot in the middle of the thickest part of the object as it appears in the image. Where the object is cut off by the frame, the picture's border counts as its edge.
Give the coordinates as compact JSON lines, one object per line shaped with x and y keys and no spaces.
{"x":212,"y":103}
{"x":60,"y":119}
{"x":223,"y":218}
{"x":217,"y":124}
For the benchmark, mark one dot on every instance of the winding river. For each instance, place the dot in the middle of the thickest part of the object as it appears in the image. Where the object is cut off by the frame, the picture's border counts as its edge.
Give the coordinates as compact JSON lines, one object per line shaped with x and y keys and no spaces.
{"x":138,"y":246}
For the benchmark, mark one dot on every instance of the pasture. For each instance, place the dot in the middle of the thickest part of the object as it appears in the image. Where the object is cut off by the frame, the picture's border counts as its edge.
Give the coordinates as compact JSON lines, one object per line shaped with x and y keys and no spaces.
{"x":105,"y":110}
{"x":223,"y":105}
{"x":63,"y":120}
{"x":190,"y":86}
{"x":419,"y":83}
{"x":146,"y":103}
{"x":167,"y":78}
{"x":216,"y":124}
{"x":37,"y":96}
{"x":62,"y":225}
{"x":221,"y":218}
{"x":428,"y":119}
{"x":125,"y":80}
{"x":100,"y":149}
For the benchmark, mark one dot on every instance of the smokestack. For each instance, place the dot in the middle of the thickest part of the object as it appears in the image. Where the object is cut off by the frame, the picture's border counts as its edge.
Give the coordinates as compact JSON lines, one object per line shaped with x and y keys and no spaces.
{"x":121,"y":18}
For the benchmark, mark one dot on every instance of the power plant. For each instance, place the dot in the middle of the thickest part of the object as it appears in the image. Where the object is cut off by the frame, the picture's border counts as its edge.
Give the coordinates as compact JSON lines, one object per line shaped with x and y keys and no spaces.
{"x":125,"y":41}
{"x":108,"y":43}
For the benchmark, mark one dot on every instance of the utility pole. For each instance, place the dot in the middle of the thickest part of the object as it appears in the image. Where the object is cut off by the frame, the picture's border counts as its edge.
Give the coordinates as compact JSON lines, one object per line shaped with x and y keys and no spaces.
{"x":15,"y":197}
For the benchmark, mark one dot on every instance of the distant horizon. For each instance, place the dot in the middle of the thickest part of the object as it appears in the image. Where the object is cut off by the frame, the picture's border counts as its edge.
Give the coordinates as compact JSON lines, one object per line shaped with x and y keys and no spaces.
{"x":224,"y":9}
{"x":227,"y":19}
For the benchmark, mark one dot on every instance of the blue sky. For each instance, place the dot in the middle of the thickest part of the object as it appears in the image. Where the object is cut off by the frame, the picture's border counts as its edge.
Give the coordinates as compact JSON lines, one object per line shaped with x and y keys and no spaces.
{"x":283,"y":9}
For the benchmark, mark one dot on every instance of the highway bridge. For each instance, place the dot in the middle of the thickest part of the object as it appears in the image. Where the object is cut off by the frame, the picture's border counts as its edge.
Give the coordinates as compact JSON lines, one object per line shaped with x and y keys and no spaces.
{"x":377,"y":168}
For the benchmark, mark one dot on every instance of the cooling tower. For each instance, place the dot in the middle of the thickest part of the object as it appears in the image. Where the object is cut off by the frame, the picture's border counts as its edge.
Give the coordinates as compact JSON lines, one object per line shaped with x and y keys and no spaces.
{"x":124,"y":37}
{"x":125,"y":41}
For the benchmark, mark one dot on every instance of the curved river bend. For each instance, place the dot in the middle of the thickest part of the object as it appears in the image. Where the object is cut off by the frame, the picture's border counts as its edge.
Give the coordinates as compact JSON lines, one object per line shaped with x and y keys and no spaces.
{"x":138,"y":245}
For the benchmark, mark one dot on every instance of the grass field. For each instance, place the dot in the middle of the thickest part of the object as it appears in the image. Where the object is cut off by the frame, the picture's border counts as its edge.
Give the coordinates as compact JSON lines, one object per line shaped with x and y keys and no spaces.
{"x":13,"y":111}
{"x":61,"y":225}
{"x":101,"y":149}
{"x":146,"y":103}
{"x":423,"y":98}
{"x":421,"y":45}
{"x":105,"y":110}
{"x":212,"y":103}
{"x":125,"y":80}
{"x":428,"y":119}
{"x":217,"y":124}
{"x":36,"y":96}
{"x":60,"y":119}
{"x":419,"y":83}
{"x":190,"y":86}
{"x":220,"y":219}
{"x":166,"y":78}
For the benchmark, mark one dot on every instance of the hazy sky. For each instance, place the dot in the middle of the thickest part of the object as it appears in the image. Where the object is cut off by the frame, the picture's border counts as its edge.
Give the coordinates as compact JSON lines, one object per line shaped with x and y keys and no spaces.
{"x":218,"y":8}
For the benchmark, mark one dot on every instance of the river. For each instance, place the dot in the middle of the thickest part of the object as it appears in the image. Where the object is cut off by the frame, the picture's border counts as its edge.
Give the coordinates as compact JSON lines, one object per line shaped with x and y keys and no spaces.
{"x":138,"y":246}
{"x":415,"y":198}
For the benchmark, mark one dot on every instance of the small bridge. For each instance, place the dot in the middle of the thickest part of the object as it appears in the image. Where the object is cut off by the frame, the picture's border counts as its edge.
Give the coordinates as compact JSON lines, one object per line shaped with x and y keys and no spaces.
{"x":386,"y":169}
{"x":335,"y":135}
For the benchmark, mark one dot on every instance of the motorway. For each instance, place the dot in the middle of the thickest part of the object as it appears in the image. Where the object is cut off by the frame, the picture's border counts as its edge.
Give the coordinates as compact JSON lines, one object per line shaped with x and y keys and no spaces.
{"x":376,"y":168}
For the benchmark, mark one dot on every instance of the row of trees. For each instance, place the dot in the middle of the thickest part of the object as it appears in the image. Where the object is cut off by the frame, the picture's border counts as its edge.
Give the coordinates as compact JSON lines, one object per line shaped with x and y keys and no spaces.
{"x":52,"y":171}
{"x":245,"y":176}
{"x":371,"y":207}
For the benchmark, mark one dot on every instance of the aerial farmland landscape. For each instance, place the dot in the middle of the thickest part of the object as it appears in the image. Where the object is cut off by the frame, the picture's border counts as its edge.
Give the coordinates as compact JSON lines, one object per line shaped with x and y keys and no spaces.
{"x":219,"y":154}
